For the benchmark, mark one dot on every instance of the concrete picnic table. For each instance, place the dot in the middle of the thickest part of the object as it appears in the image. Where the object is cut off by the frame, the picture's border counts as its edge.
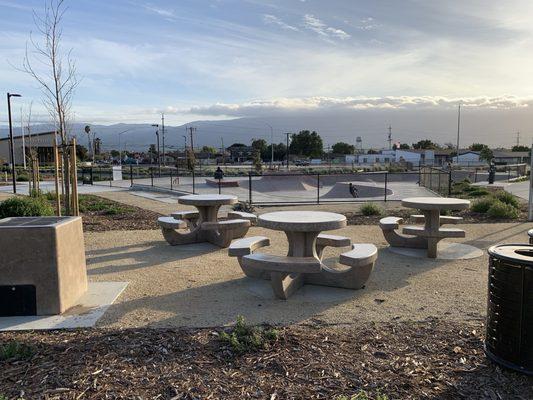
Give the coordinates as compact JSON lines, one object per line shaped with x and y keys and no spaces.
{"x":204,"y":225}
{"x":431,"y":207}
{"x":303,"y":262}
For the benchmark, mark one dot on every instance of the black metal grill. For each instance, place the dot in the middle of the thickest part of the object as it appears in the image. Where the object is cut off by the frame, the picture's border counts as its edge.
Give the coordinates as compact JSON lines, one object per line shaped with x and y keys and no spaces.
{"x":509,"y":336}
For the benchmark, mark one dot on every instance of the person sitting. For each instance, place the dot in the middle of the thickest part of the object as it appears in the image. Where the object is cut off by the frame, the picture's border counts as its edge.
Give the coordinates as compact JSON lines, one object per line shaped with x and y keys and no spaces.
{"x":219,"y":174}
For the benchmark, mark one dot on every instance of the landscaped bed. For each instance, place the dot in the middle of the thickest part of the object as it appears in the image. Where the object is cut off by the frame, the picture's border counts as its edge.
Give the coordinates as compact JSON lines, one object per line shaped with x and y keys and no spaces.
{"x":99,"y":214}
{"x":431,"y":359}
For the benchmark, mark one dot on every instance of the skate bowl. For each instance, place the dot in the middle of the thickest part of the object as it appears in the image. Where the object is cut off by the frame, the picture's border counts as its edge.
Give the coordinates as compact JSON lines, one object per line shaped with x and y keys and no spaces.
{"x":283,"y":183}
{"x":222,"y":182}
{"x":362,"y":190}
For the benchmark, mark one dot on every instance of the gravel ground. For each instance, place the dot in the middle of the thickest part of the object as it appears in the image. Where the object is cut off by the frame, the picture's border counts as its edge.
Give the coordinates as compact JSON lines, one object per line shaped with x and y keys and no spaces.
{"x":165,"y":281}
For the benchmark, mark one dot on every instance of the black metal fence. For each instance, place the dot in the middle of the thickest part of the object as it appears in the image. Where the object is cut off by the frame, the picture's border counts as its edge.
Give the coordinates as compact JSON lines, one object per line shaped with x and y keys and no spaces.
{"x":280,"y":187}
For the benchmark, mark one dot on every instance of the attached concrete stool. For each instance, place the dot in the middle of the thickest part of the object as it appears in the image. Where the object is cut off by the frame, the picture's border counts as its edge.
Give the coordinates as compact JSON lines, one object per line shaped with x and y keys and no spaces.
{"x":530,"y":234}
{"x":389,"y":227}
{"x":45,"y":258}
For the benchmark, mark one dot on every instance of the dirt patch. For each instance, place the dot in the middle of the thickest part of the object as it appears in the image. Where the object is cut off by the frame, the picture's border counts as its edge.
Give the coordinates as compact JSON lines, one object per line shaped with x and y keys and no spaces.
{"x":433,"y":359}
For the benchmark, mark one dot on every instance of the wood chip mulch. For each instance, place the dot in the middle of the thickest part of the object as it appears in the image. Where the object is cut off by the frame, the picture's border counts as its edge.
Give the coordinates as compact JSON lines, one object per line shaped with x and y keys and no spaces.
{"x":135,"y":219}
{"x":402,"y":360}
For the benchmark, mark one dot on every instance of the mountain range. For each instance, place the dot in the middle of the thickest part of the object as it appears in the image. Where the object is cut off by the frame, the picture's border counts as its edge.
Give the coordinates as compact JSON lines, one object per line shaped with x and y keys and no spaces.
{"x":497,"y":128}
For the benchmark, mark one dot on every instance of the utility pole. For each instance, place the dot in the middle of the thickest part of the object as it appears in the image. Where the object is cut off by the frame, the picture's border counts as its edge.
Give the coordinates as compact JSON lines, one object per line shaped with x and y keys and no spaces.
{"x":390,"y":137}
{"x":287,"y":150}
{"x":185,"y":148}
{"x":163,"y":133}
{"x":458,"y":131}
{"x":192,"y":130}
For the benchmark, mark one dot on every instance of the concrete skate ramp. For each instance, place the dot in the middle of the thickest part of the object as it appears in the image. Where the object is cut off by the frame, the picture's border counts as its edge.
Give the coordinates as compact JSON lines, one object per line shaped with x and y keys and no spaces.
{"x":275,"y":183}
{"x":341,"y":190}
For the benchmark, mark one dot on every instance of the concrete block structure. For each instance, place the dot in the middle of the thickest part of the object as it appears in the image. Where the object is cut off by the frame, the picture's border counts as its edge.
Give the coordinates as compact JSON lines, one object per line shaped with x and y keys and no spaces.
{"x":47,"y":253}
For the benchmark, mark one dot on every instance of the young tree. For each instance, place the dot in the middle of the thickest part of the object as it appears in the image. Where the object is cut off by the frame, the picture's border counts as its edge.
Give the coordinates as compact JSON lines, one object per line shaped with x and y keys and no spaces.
{"x":209,"y":149}
{"x":55,"y":71}
{"x":258,"y":165}
{"x":486,"y":154}
{"x":343,"y":148}
{"x":260,"y":146}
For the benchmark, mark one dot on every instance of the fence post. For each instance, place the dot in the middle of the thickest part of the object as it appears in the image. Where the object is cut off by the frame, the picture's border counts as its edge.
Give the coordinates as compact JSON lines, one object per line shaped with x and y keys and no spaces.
{"x":170,"y":172}
{"x":419,"y":175}
{"x":450,"y":183}
{"x":386,"y":184}
{"x":318,"y":188}
{"x":131,"y":174}
{"x":219,"y":190}
{"x":439,"y":182}
{"x":91,"y":175}
{"x":193,"y":181}
{"x":430,"y":178}
{"x":152,"y":175}
{"x":250,"y":188}
{"x":508,"y":173}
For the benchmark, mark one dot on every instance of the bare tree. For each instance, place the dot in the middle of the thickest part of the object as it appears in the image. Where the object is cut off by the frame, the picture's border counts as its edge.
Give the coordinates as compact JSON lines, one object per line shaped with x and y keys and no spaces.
{"x":55,"y":71}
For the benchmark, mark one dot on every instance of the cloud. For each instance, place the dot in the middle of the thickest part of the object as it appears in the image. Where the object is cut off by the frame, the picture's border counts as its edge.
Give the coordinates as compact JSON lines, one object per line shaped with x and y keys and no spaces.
{"x":314,"y":104}
{"x":316,"y":25}
{"x":273,"y":20}
{"x":169,"y":14}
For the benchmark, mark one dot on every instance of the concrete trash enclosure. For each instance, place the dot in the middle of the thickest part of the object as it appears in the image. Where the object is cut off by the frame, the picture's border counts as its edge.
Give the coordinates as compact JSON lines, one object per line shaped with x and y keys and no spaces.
{"x":42,"y":265}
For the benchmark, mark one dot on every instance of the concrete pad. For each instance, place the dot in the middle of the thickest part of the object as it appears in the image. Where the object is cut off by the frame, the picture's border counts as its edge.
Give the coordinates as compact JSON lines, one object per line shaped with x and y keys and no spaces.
{"x":446,"y":251}
{"x":91,"y":307}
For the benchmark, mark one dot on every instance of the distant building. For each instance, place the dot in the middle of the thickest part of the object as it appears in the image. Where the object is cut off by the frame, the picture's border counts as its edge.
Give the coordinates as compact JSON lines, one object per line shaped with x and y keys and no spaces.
{"x":414,"y":157}
{"x":42,"y":143}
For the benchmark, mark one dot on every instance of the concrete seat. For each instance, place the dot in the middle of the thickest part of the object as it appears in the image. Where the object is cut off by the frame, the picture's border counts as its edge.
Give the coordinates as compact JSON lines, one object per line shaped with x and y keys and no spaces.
{"x":390,"y":223}
{"x":171,"y":223}
{"x":185,"y":215}
{"x":269,"y":262}
{"x":441,"y":233}
{"x":444,"y":219}
{"x":530,"y":234}
{"x":226,"y":225}
{"x":246,"y":246}
{"x":242,"y":215}
{"x":332,"y":240}
{"x":361,"y":254}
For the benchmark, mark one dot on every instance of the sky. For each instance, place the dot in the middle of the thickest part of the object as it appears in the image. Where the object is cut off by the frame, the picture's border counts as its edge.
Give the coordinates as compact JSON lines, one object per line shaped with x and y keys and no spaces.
{"x":220,"y":59}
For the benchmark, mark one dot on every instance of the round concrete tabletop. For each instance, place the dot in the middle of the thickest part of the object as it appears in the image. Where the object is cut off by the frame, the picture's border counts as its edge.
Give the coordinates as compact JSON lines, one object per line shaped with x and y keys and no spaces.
{"x":436,"y":203}
{"x":207,"y":199}
{"x":302,"y":221}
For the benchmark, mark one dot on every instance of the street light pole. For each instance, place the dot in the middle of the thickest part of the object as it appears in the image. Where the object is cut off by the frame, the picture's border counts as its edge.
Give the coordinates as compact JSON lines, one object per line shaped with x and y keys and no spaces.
{"x":12,"y":142}
{"x":458,"y":131}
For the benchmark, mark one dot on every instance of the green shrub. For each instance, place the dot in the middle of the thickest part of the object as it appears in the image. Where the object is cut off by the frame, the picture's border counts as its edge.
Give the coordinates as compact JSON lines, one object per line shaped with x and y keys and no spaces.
{"x":483,"y":205}
{"x":507,"y":198}
{"x":25,"y":207}
{"x":243,"y":338}
{"x":15,"y":350}
{"x":478,"y":192}
{"x":22,"y":178}
{"x":502,"y":210}
{"x":371,"y":209}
